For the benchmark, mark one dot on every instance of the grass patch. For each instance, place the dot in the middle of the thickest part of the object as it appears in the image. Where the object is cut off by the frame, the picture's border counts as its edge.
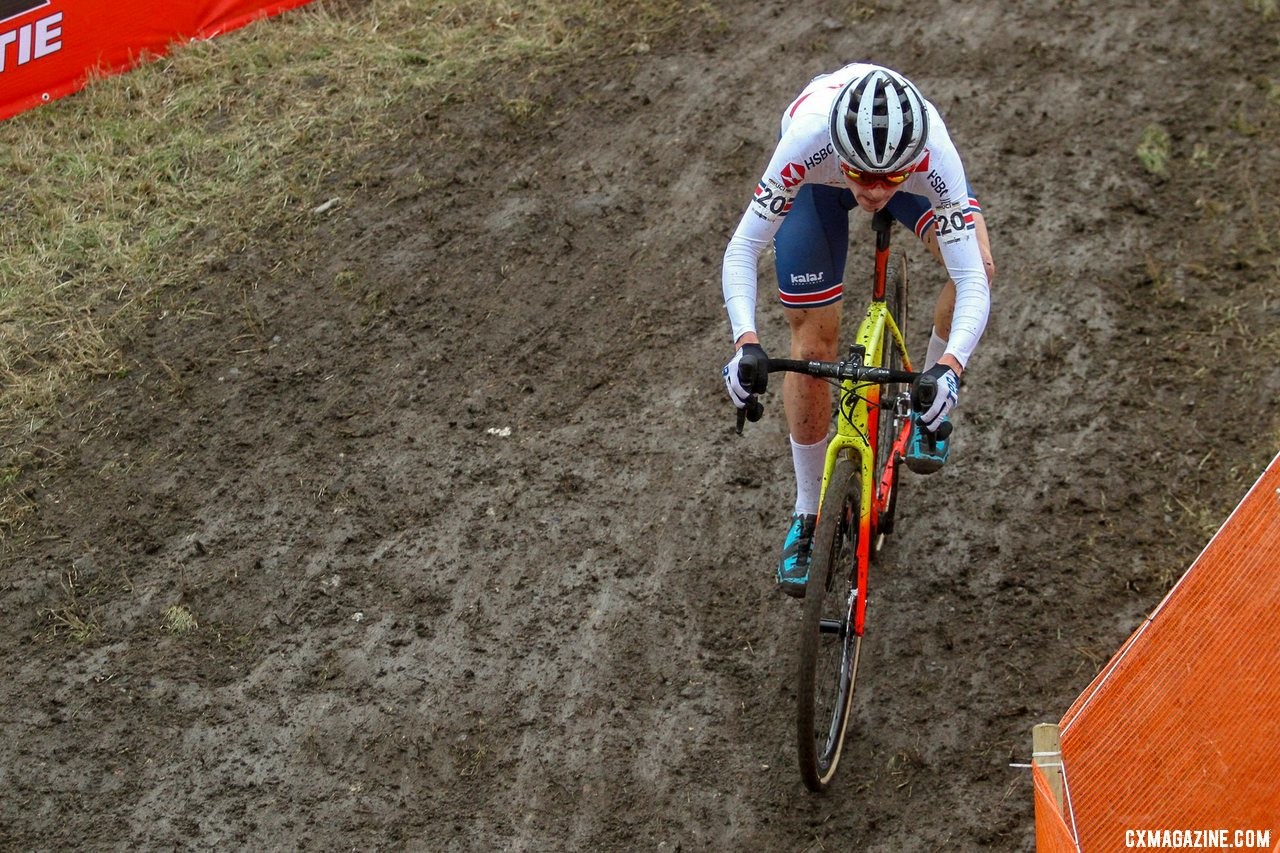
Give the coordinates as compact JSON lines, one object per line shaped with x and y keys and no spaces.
{"x":124,"y":191}
{"x":1154,"y":149}
{"x":178,"y":619}
{"x":73,"y":618}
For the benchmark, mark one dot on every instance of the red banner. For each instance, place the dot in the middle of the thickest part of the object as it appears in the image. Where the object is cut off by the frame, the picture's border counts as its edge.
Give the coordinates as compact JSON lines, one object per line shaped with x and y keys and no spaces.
{"x":49,"y":48}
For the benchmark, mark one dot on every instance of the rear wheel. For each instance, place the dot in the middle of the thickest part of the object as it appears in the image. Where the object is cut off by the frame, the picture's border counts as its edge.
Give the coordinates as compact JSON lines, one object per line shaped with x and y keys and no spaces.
{"x":828,"y":661}
{"x":895,"y":298}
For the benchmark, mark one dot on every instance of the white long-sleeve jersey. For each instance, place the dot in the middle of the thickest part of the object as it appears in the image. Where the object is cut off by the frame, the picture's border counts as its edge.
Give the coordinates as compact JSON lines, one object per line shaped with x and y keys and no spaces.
{"x":805,"y":155}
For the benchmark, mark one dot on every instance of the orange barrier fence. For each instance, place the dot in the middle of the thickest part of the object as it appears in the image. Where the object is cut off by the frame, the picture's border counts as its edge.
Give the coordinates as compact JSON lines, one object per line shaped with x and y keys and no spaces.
{"x":1176,"y":743}
{"x":1052,"y":833}
{"x":50,"y":48}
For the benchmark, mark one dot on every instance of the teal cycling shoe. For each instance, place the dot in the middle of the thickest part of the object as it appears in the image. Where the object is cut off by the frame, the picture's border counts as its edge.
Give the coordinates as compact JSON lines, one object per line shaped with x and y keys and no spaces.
{"x":793,"y":568}
{"x":926,"y":452}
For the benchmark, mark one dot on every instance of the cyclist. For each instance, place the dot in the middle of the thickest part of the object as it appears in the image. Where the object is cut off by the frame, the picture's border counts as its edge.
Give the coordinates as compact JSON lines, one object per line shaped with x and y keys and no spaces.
{"x":864,"y":136}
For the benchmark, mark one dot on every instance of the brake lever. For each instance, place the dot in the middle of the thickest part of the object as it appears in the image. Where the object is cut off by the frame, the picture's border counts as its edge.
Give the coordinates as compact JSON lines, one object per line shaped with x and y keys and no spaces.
{"x":750,"y":412}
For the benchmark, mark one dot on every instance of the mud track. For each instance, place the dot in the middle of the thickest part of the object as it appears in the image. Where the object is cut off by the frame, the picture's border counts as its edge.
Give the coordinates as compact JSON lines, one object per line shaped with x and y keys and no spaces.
{"x":449,"y":483}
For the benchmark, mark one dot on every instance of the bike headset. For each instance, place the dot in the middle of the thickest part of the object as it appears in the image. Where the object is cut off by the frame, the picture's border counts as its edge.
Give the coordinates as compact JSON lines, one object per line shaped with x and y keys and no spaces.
{"x":879,"y":123}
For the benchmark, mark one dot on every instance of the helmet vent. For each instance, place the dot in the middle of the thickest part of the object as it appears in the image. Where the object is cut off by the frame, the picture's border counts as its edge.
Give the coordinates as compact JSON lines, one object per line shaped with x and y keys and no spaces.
{"x":878,"y":122}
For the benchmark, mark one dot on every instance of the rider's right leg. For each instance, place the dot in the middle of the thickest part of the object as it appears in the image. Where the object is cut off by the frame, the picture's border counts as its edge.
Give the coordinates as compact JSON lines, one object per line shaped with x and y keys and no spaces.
{"x":815,"y":334}
{"x":809,"y":255}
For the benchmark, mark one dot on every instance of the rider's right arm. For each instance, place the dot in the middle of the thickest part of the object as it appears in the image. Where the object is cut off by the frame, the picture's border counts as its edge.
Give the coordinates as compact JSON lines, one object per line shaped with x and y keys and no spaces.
{"x":792,"y":164}
{"x":738,"y":275}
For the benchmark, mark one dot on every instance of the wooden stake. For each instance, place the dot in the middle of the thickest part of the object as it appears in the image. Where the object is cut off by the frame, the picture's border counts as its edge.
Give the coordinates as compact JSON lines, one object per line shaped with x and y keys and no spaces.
{"x":1046,"y":753}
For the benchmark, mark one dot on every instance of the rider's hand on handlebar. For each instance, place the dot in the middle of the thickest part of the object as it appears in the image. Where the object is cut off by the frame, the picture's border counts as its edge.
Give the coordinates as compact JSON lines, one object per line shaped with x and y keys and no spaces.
{"x":944,"y":400}
{"x":741,"y":388}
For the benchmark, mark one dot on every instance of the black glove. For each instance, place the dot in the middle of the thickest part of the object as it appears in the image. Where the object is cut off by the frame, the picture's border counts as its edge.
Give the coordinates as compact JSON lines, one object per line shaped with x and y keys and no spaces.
{"x":945,"y":397}
{"x":753,"y":358}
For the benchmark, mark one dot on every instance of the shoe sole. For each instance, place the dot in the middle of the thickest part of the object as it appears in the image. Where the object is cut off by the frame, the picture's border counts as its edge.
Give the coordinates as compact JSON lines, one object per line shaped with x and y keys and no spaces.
{"x":795,"y":590}
{"x":923,"y":466}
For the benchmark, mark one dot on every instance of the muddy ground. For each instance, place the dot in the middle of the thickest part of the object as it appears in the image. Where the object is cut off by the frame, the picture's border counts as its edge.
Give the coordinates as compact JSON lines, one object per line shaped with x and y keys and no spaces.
{"x":447,"y":479}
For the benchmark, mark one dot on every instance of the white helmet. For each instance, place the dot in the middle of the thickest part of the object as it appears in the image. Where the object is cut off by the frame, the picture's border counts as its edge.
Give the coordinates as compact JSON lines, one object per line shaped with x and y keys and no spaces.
{"x":879,"y":123}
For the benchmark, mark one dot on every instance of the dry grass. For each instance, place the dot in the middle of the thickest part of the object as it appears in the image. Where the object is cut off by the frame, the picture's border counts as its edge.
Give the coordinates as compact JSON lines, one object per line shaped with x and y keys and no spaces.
{"x":121,"y":192}
{"x":73,"y":617}
{"x":178,"y":619}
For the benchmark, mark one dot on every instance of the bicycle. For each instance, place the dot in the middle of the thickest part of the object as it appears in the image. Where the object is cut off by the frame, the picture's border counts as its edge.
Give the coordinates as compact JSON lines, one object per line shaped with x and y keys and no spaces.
{"x":859,"y":497}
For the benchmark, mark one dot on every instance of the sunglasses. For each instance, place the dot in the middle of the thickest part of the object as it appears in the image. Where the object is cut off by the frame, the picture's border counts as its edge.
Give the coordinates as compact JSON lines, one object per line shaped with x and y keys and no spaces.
{"x":870,"y":179}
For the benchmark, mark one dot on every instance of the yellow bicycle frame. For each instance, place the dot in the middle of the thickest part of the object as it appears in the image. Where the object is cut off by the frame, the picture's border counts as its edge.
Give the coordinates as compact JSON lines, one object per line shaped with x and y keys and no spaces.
{"x":855,"y":433}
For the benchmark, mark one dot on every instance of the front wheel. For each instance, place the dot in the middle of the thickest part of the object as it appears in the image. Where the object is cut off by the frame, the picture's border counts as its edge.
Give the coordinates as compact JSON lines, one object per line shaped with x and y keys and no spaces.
{"x":828,"y":660}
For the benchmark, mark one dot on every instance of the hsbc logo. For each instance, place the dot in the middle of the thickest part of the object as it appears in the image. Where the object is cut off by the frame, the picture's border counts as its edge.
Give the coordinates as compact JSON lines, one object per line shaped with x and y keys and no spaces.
{"x":31,"y":41}
{"x":819,"y":156}
{"x":792,"y":175}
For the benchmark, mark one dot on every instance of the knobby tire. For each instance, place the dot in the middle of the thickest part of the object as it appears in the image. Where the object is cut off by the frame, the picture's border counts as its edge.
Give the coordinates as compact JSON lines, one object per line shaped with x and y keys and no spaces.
{"x":828,"y":660}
